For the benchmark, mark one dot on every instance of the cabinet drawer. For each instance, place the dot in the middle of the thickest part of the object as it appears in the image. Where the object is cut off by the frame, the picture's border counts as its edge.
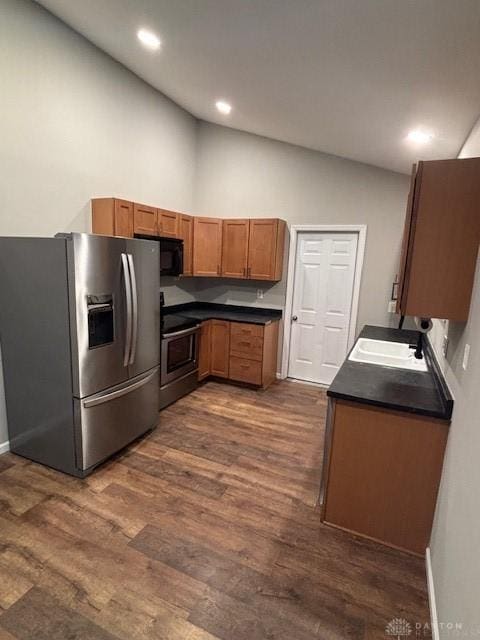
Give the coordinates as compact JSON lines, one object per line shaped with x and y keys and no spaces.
{"x":245,"y":370}
{"x":243,"y":330}
{"x":246,"y":346}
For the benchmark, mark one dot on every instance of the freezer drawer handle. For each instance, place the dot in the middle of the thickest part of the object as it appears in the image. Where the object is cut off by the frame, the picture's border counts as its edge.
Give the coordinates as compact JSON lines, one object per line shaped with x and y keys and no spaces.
{"x":128,"y":298}
{"x":121,"y":392}
{"x":133,"y":281}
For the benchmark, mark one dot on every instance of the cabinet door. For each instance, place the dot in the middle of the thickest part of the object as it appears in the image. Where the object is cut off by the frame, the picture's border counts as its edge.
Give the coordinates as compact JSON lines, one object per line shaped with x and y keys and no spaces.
{"x":383,"y":474}
{"x":145,"y":220}
{"x":207,"y":246}
{"x":262,"y":249}
{"x":443,"y":240}
{"x":185,"y":233}
{"x":235,"y":248}
{"x":205,"y":350}
{"x":220,"y":348}
{"x":167,"y":223}
{"x":112,"y":217}
{"x":407,"y":243}
{"x":123,"y":217}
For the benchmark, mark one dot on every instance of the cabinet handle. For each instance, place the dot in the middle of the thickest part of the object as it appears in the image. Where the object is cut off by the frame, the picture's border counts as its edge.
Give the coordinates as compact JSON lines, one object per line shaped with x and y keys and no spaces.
{"x":245,"y":272}
{"x":249,"y":270}
{"x":218,"y":269}
{"x":244,"y":343}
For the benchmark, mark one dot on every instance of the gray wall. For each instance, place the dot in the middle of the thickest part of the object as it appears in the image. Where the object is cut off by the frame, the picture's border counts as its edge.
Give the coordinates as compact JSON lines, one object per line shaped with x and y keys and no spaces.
{"x":455,"y":541}
{"x":75,"y":124}
{"x":244,"y":175}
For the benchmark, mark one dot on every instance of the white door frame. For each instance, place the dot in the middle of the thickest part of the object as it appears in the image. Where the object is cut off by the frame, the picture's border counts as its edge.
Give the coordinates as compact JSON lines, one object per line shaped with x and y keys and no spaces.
{"x":295,"y":229}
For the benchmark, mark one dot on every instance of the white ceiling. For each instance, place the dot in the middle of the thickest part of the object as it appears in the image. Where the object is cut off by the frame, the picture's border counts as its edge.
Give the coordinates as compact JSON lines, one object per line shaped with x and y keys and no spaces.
{"x":348,"y":77}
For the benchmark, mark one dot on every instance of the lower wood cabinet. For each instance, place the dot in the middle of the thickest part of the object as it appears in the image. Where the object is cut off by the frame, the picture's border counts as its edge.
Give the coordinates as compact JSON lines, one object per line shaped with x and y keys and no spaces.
{"x":239,"y":351}
{"x":220,"y":349}
{"x":382,"y":473}
{"x":205,"y":349}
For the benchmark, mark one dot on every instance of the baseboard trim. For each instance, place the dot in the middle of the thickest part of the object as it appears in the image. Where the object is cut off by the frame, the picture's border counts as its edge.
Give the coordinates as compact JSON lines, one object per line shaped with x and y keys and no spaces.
{"x":4,"y":447}
{"x":431,"y":596}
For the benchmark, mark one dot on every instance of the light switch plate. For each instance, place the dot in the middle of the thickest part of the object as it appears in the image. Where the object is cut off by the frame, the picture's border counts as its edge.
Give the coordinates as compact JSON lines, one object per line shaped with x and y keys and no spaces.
{"x":466,"y":355}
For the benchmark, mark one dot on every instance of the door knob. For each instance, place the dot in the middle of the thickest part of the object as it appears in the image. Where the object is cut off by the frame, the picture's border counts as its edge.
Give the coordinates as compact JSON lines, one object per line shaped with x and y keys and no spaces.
{"x":294,"y":318}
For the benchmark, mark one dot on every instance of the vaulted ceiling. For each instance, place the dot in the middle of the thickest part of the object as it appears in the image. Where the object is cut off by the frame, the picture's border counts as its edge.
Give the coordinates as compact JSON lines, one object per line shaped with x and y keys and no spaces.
{"x":348,"y":77}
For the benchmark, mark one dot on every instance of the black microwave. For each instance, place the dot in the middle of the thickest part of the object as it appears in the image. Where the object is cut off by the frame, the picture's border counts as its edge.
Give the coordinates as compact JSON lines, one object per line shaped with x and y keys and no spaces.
{"x":171,"y":257}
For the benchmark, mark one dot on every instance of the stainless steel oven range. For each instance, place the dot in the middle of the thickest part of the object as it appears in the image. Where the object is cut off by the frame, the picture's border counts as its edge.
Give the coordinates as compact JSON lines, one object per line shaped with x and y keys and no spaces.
{"x":179,"y":357}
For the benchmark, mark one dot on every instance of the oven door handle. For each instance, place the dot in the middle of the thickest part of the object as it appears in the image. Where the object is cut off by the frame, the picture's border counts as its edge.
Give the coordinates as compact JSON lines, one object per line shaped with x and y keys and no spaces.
{"x":184,"y":332}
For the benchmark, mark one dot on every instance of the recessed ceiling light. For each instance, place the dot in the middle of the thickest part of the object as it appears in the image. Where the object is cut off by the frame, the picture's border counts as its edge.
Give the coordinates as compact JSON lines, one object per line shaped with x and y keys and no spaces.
{"x":223,"y":107}
{"x":419,"y":136}
{"x":149,"y":39}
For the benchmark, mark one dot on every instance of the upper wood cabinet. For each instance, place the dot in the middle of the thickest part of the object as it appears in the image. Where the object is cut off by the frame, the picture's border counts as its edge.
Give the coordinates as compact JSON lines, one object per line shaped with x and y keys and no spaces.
{"x":253,"y":248}
{"x":145,"y":220}
{"x":235,"y":248}
{"x":441,"y":238}
{"x":265,"y":249}
{"x":112,"y":217}
{"x":247,"y":248}
{"x":207,"y":246}
{"x":168,"y":223}
{"x":185,"y":233}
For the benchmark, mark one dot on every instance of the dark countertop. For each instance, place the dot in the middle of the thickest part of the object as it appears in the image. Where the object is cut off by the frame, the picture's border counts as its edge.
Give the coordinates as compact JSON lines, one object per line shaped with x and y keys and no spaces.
{"x":233,"y":313}
{"x":424,"y":393}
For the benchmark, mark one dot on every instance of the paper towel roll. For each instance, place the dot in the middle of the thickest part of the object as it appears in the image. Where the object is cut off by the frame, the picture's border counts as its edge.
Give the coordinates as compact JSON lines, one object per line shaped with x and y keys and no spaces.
{"x":423,"y":324}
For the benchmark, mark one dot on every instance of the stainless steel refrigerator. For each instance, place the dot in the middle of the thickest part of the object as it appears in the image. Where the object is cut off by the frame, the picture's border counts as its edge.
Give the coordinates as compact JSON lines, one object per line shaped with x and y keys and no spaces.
{"x":80,"y":340}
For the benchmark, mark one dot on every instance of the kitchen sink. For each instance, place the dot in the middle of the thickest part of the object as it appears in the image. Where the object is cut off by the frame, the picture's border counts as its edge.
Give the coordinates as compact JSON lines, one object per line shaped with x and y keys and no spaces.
{"x":388,"y":354}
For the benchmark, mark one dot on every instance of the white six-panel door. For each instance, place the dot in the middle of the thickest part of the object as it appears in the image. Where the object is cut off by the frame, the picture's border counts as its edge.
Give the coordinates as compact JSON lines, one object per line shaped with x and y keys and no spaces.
{"x":322,"y":302}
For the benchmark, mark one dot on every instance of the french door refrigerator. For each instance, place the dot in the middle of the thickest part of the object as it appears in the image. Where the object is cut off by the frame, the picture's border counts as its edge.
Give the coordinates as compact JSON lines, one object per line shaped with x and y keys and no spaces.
{"x":80,"y":340}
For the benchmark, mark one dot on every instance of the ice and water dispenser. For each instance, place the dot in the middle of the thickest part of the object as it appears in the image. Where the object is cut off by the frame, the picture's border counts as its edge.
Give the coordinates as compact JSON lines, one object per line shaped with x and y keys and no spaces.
{"x":100,"y":320}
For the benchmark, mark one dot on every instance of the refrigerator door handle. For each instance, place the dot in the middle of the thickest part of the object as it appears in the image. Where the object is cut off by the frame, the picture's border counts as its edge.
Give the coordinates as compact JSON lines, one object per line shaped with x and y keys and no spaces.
{"x":120,"y":392}
{"x":128,"y":298}
{"x":133,"y":281}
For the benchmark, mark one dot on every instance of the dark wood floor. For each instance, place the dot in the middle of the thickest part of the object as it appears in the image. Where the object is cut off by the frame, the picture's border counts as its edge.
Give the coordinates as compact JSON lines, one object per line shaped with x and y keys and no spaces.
{"x":205,"y":529}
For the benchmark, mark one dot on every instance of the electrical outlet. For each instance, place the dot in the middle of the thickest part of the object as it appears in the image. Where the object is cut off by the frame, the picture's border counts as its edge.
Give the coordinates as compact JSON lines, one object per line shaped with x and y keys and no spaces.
{"x":445,"y":346}
{"x":466,"y":355}
{"x":259,"y":294}
{"x":392,"y":306}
